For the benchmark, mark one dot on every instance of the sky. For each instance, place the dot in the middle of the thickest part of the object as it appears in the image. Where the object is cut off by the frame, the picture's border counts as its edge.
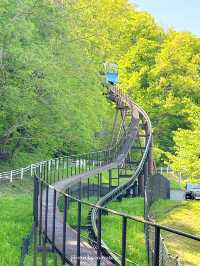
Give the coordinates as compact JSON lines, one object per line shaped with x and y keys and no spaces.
{"x":182,"y":15}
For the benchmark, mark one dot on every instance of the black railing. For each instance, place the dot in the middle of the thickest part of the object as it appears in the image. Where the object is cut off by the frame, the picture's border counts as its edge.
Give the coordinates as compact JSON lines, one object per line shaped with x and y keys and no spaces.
{"x":26,"y":244}
{"x":80,"y":206}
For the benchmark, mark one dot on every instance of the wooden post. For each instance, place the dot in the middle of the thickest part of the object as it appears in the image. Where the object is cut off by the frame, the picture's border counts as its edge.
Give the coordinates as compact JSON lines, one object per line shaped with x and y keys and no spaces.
{"x":22,"y":173}
{"x":31,"y":170}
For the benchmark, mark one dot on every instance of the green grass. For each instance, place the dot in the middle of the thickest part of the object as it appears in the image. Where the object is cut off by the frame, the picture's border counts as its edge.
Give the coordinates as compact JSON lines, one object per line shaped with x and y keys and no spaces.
{"x":183,"y":216}
{"x":105,"y":178}
{"x":15,"y":222}
{"x":72,"y":211}
{"x":136,"y":250}
{"x":111,"y":226}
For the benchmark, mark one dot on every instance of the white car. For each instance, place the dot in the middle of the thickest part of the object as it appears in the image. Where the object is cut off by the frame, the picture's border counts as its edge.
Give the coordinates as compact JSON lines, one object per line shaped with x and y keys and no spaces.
{"x":192,"y":191}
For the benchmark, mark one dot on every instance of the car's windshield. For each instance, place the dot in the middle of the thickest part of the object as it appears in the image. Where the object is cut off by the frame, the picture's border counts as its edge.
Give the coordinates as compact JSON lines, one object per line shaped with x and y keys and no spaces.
{"x":195,"y":187}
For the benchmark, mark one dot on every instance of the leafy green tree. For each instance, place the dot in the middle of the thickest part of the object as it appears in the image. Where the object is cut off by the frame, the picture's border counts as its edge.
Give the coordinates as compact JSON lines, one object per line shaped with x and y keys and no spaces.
{"x":163,"y":76}
{"x":187,"y":146}
{"x":51,"y":94}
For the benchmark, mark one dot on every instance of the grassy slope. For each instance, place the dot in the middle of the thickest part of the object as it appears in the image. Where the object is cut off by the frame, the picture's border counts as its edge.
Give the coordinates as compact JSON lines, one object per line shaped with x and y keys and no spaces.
{"x":16,"y":220}
{"x":183,"y":216}
{"x":136,"y":250}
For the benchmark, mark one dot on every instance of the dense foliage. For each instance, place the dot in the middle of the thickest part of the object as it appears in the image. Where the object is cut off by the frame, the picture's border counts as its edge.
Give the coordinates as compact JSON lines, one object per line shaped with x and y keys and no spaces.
{"x":51,"y":98}
{"x":51,"y":54}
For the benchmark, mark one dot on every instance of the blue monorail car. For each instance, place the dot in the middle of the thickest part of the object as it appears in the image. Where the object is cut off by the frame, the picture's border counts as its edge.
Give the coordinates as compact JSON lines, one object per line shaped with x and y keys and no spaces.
{"x":111,"y":73}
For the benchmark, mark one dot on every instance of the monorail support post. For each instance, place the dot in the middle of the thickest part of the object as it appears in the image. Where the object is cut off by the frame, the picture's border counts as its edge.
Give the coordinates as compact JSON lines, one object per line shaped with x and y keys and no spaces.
{"x":141,"y":185}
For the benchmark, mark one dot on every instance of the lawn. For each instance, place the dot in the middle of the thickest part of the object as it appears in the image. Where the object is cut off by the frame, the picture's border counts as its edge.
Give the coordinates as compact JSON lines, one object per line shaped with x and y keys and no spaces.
{"x":182,"y":216}
{"x":16,"y":220}
{"x":136,"y":250}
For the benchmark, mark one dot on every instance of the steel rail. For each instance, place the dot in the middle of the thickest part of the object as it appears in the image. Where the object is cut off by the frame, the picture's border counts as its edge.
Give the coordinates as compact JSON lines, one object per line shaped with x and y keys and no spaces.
{"x":120,"y":189}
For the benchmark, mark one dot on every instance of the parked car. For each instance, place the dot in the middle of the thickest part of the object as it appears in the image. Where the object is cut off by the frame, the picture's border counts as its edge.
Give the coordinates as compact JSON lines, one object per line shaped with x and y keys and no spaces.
{"x":192,"y":191}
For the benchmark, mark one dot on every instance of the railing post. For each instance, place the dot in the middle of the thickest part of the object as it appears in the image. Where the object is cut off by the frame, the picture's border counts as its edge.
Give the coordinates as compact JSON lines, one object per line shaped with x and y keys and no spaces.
{"x":89,"y":161}
{"x":99,"y":238}
{"x":64,"y":228}
{"x":22,"y":173}
{"x":124,"y":227}
{"x":40,"y":169}
{"x":67,"y":166}
{"x":88,"y":189}
{"x":40,"y":214}
{"x":47,"y":169}
{"x":78,"y":251}
{"x":46,"y":211}
{"x":58,"y":168}
{"x":51,"y":168}
{"x":79,"y":164}
{"x":54,"y":172}
{"x":63,"y":167}
{"x":157,"y":246}
{"x":54,"y":219}
{"x":35,"y":222}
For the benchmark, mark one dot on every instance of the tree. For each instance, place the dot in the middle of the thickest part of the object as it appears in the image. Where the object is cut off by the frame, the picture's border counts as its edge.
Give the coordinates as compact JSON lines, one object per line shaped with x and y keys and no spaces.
{"x":51,"y":93}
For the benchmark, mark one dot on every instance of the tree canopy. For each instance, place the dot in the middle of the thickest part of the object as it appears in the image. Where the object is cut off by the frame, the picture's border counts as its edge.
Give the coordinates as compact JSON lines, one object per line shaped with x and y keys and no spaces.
{"x":51,"y":53}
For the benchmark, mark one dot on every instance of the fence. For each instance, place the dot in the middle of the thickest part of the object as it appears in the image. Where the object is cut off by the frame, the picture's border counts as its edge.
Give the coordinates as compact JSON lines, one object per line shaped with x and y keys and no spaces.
{"x":74,"y":161}
{"x":157,"y":187}
{"x":48,"y":216}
